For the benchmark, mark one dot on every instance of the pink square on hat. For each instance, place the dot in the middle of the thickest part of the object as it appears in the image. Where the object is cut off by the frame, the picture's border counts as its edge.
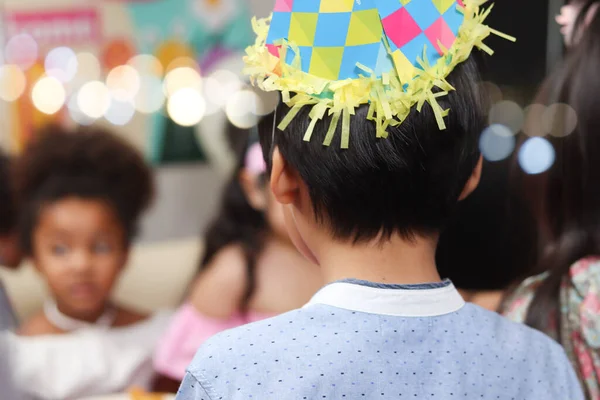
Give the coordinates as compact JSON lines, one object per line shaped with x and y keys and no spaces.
{"x":273,"y":49}
{"x":460,"y":3}
{"x":400,"y":27}
{"x":440,"y":30}
{"x":283,"y":5}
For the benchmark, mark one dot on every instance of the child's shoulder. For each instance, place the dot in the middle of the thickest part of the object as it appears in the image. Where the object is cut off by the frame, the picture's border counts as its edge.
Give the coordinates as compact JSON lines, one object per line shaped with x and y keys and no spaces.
{"x":38,"y":325}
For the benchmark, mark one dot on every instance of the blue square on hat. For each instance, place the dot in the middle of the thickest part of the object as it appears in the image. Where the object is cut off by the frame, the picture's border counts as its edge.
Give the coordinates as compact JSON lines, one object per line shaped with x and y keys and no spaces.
{"x":361,"y":5}
{"x":387,"y":7}
{"x":280,"y":26}
{"x":385,"y":64}
{"x":365,"y":54}
{"x":423,"y":12}
{"x":414,"y":49}
{"x":309,"y":6}
{"x":305,"y":57}
{"x":454,"y":19}
{"x":332,"y":29}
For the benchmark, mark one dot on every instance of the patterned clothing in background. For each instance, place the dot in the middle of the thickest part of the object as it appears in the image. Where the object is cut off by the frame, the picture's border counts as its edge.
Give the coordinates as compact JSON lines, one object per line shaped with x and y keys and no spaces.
{"x":579,"y":318}
{"x":359,"y":340}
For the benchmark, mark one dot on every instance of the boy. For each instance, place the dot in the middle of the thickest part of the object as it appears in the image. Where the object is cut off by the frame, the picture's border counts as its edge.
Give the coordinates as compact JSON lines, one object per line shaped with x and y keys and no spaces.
{"x":369,"y":214}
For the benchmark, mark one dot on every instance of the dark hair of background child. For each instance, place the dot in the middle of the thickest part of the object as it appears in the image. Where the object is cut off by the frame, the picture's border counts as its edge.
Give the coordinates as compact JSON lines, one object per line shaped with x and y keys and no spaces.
{"x":88,"y":163}
{"x":566,"y":199}
{"x":237,"y":223}
{"x":8,"y":212}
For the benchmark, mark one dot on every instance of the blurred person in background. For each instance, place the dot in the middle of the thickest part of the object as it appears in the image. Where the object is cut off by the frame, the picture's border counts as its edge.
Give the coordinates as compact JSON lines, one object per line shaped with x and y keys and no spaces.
{"x":564,"y":301}
{"x":10,"y":254}
{"x":81,"y":195}
{"x":250,"y":270}
{"x":577,"y":13}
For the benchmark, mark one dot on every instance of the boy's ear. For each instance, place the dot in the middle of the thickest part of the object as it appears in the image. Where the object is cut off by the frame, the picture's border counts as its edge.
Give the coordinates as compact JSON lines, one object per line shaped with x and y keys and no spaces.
{"x":285,"y":182}
{"x":473,"y":181}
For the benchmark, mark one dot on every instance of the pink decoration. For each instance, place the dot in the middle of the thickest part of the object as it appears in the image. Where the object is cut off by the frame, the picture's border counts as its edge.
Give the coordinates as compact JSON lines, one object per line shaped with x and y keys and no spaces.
{"x":401,"y":27}
{"x":283,"y":5}
{"x":440,"y":30}
{"x":273,"y":49}
{"x":255,"y":163}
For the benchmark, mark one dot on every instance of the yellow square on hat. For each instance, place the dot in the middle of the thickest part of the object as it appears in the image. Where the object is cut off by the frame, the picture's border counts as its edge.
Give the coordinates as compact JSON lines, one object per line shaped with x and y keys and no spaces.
{"x":336,"y":6}
{"x":303,"y":27}
{"x":404,"y":67}
{"x":443,"y":5}
{"x":365,"y":28}
{"x":326,"y":62}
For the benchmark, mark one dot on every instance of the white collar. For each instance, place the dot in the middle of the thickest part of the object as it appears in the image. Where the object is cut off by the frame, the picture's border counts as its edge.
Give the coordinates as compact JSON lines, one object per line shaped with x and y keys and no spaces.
{"x":68,"y":324}
{"x":393,"y":300}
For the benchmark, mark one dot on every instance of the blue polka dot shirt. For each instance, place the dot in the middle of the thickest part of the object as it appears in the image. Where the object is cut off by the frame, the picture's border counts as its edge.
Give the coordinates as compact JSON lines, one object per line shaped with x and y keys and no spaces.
{"x":358,"y":340}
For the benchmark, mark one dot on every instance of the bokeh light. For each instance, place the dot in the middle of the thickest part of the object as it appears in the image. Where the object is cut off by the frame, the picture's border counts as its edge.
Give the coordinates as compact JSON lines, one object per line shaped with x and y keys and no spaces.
{"x":186,"y":107}
{"x":12,"y":82}
{"x":146,"y":64}
{"x":242,"y":108}
{"x":150,"y":98}
{"x":492,"y":91}
{"x":21,"y":50}
{"x":76,"y":114}
{"x":123,"y":82}
{"x":509,"y":114}
{"x":497,"y":143}
{"x":536,"y":155}
{"x":559,"y":120}
{"x":120,"y":112}
{"x":182,"y":62}
{"x":534,"y":120}
{"x":94,"y":99}
{"x":268,"y":102}
{"x":88,"y":68}
{"x":48,"y":95}
{"x":181,"y":78}
{"x":221,"y":85}
{"x":61,"y":63}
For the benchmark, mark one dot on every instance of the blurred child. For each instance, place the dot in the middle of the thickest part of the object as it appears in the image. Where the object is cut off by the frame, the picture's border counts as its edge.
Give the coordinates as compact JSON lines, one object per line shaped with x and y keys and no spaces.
{"x":401,"y":151}
{"x":81,"y":195}
{"x":10,"y":254}
{"x":250,"y":270}
{"x":564,"y":302}
{"x":574,"y":16}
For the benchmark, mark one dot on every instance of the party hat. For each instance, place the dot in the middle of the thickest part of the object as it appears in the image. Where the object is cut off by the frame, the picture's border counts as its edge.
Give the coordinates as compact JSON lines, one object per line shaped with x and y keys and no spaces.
{"x":335,"y":55}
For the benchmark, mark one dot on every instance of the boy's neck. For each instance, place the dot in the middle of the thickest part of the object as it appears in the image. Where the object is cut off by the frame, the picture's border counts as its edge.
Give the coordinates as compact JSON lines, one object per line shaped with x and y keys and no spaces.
{"x":396,"y":261}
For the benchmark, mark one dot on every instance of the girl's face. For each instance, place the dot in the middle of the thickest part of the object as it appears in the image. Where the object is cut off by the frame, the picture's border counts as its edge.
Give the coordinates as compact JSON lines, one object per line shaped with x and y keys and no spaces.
{"x":79,"y":246}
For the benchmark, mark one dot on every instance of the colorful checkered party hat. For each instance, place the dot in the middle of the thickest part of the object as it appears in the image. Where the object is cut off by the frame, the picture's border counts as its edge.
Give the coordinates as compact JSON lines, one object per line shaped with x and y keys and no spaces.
{"x":335,"y":55}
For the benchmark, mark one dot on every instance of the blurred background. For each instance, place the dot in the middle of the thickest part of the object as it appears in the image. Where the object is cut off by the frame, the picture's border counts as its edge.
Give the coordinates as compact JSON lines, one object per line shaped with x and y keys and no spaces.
{"x":166,"y":75}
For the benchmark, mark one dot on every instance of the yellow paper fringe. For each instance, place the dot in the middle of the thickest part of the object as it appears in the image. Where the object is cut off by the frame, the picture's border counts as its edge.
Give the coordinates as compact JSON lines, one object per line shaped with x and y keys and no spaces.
{"x":390,"y":99}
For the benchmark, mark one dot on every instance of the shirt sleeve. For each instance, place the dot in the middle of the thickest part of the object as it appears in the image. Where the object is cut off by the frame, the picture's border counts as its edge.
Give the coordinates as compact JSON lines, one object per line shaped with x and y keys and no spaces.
{"x":191,"y":389}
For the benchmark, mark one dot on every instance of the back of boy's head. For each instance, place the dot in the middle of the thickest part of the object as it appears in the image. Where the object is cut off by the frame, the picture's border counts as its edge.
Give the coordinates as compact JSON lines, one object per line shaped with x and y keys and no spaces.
{"x":88,"y":163}
{"x":407,"y":184}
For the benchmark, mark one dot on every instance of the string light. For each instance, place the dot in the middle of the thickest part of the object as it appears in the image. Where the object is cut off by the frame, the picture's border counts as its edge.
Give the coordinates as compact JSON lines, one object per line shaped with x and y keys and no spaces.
{"x":509,"y":114}
{"x":120,"y":112}
{"x":242,"y":108}
{"x":48,"y":95}
{"x":61,"y":63}
{"x":150,"y":98}
{"x":123,"y":82}
{"x":186,"y":107}
{"x":536,"y":155}
{"x":21,"y":50}
{"x":497,"y":143}
{"x":94,"y":99}
{"x":181,"y":78}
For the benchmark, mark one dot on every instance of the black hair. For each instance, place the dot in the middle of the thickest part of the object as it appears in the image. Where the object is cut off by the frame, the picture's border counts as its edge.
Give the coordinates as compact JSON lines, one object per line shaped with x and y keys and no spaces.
{"x":88,"y":163}
{"x":566,"y":198}
{"x":237,"y":221}
{"x":487,"y":245}
{"x":407,"y":184}
{"x":8,"y":211}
